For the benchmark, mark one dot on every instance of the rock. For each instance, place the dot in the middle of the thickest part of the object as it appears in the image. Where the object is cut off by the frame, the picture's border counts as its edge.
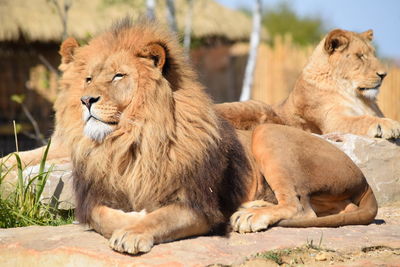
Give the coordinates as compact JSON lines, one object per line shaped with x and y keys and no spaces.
{"x":74,"y":245}
{"x":58,"y":189}
{"x":321,"y":256}
{"x":379,"y":160}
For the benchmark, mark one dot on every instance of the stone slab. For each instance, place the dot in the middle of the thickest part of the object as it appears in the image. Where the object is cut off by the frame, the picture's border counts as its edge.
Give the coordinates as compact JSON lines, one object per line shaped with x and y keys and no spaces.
{"x":379,"y":160}
{"x":73,"y":245}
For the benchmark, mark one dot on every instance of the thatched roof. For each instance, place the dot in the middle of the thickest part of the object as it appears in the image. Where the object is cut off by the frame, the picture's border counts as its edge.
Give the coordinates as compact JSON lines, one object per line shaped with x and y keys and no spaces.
{"x":38,"y":20}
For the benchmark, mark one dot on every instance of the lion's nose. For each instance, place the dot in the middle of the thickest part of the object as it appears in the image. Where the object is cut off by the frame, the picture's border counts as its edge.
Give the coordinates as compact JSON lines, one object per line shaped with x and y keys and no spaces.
{"x":382,"y":74}
{"x":89,"y":100}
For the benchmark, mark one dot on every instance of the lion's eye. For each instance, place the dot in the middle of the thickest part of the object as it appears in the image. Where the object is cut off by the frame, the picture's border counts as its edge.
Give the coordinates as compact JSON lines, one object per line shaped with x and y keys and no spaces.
{"x":118,"y":76}
{"x":88,"y":79}
{"x":360,"y":55}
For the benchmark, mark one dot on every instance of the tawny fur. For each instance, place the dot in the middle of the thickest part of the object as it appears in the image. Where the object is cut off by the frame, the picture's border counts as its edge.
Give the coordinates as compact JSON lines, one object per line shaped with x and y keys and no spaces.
{"x":248,"y":114}
{"x":171,"y":167}
{"x":336,"y":92}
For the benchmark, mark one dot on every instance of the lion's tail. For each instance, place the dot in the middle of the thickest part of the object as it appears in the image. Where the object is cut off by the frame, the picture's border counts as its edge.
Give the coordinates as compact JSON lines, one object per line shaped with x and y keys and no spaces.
{"x":365,"y":214}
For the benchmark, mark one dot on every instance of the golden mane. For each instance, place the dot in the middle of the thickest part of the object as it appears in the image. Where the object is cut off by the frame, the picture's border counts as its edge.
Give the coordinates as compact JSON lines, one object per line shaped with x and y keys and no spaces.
{"x":168,"y":138}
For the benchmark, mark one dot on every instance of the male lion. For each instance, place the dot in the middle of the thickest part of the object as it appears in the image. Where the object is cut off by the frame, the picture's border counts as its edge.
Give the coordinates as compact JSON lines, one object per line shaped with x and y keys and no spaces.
{"x":153,"y":162}
{"x":336,"y":92}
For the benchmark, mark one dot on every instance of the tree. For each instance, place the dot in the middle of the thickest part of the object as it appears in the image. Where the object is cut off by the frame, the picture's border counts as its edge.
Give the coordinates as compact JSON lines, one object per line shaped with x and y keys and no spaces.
{"x":171,"y":15}
{"x":62,"y":11}
{"x":188,"y":27}
{"x":281,"y":19}
{"x":251,"y":61}
{"x":150,"y":7}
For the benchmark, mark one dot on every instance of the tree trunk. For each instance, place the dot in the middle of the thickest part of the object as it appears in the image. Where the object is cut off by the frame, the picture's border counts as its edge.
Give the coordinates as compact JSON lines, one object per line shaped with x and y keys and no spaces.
{"x":63,"y":14}
{"x":151,"y":5}
{"x":188,"y":27}
{"x":251,"y":61}
{"x":171,"y":15}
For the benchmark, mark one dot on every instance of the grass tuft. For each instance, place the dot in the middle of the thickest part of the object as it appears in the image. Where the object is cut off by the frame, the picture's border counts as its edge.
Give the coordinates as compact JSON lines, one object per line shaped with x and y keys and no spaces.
{"x":275,"y":256}
{"x":22,"y":206}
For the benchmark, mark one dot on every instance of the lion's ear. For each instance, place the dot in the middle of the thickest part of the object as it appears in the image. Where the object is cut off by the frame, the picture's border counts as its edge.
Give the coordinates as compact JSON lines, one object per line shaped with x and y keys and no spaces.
{"x":369,"y":35}
{"x":67,"y":50}
{"x":156,"y":53}
{"x":337,"y":40}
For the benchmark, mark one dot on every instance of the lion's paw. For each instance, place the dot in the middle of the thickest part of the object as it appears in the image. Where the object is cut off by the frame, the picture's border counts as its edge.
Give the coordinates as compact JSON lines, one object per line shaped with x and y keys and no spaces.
{"x":250,"y":220}
{"x":130,"y":242}
{"x":385,"y":128}
{"x":256,"y":204}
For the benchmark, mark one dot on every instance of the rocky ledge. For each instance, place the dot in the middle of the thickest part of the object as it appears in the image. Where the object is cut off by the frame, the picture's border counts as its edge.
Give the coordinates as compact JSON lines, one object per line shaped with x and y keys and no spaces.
{"x":74,"y":245}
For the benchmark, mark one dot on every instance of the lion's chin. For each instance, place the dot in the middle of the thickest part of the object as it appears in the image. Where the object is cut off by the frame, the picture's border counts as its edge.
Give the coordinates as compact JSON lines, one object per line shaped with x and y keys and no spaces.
{"x":97,"y":130}
{"x":369,"y":93}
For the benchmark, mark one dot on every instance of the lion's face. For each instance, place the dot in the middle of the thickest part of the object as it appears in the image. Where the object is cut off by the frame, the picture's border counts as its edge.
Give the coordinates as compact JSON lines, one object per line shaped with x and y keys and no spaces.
{"x":108,"y":87}
{"x":353,"y":62}
{"x":107,"y":78}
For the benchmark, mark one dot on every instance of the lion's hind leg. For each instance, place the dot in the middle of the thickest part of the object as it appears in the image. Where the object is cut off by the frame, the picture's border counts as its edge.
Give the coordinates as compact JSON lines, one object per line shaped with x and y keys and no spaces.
{"x":312,"y":190}
{"x":258,"y":215}
{"x":287,"y":183}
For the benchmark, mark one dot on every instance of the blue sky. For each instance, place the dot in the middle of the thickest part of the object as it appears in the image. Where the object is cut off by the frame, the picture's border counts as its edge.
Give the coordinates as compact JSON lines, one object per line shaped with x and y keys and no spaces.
{"x":383,"y":16}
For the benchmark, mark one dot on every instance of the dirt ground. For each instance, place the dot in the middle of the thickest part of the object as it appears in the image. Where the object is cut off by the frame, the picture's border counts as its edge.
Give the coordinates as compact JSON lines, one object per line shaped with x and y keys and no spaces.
{"x":318,"y":256}
{"x":311,"y":254}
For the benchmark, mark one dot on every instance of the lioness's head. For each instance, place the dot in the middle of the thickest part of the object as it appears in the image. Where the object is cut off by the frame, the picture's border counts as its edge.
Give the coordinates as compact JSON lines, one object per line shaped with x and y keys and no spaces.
{"x":116,"y":73}
{"x":349,"y":59}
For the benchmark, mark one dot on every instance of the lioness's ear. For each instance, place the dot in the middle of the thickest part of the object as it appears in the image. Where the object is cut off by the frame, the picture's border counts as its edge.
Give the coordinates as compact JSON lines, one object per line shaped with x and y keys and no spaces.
{"x":67,"y":50}
{"x":337,"y":40}
{"x":156,"y":53}
{"x":369,"y":35}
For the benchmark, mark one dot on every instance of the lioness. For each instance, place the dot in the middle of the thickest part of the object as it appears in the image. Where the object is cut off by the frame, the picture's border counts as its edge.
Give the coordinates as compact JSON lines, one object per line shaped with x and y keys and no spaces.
{"x":335,"y":92}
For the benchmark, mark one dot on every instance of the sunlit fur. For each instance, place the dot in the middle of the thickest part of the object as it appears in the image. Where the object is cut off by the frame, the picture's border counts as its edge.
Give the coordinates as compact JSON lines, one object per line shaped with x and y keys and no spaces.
{"x":163,"y":141}
{"x":168,"y":167}
{"x":335,"y":92}
{"x":94,"y":128}
{"x":337,"y":89}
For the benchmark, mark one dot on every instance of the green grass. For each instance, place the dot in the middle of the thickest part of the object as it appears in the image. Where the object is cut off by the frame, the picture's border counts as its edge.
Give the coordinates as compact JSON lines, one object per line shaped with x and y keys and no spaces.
{"x":294,"y":256}
{"x":275,"y":256}
{"x":22,"y":206}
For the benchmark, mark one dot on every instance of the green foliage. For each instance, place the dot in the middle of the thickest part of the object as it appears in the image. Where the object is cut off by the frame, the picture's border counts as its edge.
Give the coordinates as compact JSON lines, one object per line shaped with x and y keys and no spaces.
{"x":18,"y":98}
{"x":281,"y":20}
{"x":22,"y":206}
{"x":274,"y":256}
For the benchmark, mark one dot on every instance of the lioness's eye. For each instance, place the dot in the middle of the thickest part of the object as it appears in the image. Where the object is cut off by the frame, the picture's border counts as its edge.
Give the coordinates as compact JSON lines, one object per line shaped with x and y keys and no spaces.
{"x":360,"y":55}
{"x":118,"y":76}
{"x":88,"y":80}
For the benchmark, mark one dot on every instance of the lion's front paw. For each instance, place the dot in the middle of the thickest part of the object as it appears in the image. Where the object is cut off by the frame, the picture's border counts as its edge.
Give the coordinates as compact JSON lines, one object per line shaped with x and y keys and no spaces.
{"x":250,"y":220}
{"x":385,"y":128}
{"x":126,"y":240}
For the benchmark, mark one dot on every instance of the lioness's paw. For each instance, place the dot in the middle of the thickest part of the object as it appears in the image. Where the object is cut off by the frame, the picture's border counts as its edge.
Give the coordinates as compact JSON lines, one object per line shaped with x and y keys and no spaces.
{"x":130,"y":242}
{"x":385,"y":128}
{"x":250,"y":220}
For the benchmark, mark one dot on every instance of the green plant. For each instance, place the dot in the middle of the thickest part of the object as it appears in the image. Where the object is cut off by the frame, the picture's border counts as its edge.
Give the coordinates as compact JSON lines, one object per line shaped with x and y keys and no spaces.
{"x":17,"y":127}
{"x":310,"y":243}
{"x":22,"y":206}
{"x":275,"y":256}
{"x":281,"y":19}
